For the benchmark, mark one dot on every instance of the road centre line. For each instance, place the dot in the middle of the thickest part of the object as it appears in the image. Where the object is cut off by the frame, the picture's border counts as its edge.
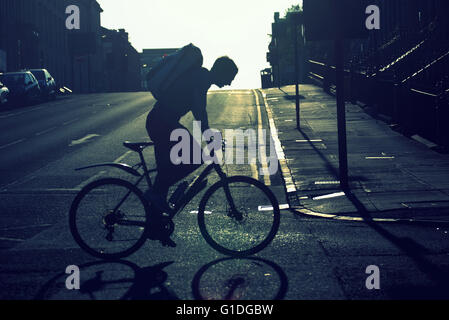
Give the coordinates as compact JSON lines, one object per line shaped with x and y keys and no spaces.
{"x":83,"y":140}
{"x":11,"y":144}
{"x":19,"y":113}
{"x":11,"y":239}
{"x":119,"y":159}
{"x":70,"y":122}
{"x":46,"y":131}
{"x":262,"y":143}
{"x":39,"y":191}
{"x":26,"y":227}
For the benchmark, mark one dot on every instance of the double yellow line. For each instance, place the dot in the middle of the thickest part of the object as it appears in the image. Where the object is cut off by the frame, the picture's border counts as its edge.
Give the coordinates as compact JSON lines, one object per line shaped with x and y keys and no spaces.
{"x":262,"y":147}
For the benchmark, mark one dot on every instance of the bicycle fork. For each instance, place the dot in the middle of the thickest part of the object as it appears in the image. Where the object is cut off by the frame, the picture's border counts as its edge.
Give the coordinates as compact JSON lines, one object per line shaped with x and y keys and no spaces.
{"x":233,"y":213}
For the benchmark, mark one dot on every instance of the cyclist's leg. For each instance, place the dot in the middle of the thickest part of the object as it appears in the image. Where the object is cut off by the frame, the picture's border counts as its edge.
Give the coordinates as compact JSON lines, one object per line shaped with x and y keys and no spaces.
{"x":160,"y":130}
{"x":169,"y":173}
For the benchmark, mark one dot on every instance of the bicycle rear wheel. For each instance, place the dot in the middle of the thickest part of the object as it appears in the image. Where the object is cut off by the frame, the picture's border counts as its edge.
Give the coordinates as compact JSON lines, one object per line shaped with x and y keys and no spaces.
{"x":108,"y":218}
{"x":246,"y":230}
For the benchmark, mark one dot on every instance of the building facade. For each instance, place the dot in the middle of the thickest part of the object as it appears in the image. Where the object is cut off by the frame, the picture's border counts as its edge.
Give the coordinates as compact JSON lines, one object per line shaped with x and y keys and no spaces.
{"x":33,"y":34}
{"x":281,"y":54}
{"x":121,"y":62}
{"x":401,"y":71}
{"x":85,"y":49}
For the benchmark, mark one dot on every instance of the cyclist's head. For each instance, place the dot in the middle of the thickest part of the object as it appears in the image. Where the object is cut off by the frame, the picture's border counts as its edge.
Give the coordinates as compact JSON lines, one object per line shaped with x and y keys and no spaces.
{"x":224,"y":71}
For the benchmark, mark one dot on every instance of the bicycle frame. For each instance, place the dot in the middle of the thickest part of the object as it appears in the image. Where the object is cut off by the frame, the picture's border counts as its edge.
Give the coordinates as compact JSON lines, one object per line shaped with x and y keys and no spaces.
{"x":188,"y":195}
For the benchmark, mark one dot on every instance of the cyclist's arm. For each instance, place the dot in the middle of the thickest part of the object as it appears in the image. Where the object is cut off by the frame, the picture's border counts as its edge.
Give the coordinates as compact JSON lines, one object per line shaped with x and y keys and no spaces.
{"x":199,"y":110}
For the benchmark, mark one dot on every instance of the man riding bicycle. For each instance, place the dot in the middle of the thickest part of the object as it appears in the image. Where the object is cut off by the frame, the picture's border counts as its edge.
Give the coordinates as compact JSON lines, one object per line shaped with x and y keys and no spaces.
{"x":187,"y":93}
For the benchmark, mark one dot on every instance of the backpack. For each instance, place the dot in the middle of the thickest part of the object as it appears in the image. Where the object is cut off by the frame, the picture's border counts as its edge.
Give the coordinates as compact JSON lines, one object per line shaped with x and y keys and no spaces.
{"x":171,"y":67}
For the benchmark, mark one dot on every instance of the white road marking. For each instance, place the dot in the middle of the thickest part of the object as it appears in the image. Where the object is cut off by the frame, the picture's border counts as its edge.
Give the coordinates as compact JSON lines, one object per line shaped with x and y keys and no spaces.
{"x":307,"y":141}
{"x":69,"y":122}
{"x":286,"y":174}
{"x":27,"y":227}
{"x":119,"y":159}
{"x":327,"y":182}
{"x":330,"y":196}
{"x":19,"y":113}
{"x":83,"y":140}
{"x":196,"y":212}
{"x":262,"y":143}
{"x":39,"y":191}
{"x":270,"y":208}
{"x":46,"y":131}
{"x":11,"y":144}
{"x":379,"y":158}
{"x":12,"y":239}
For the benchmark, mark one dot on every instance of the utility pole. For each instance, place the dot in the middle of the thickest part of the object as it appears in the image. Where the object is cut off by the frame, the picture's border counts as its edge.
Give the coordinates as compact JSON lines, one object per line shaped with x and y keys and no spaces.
{"x":341,"y":112}
{"x":296,"y":17}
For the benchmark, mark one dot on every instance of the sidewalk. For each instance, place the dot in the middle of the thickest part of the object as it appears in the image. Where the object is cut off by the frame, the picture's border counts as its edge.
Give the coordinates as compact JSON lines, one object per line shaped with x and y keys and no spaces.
{"x":390,"y":176}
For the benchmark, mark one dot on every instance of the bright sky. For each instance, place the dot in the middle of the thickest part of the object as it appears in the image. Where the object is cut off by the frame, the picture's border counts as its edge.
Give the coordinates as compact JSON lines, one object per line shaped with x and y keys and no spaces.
{"x":237,"y":28}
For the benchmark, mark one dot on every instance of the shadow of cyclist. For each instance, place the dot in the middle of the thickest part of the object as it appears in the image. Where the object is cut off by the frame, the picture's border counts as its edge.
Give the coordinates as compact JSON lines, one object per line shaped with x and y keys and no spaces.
{"x":118,"y":280}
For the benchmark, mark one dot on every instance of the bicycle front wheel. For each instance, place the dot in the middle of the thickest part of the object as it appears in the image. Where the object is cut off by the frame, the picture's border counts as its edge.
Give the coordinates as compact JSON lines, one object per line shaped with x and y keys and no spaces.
{"x":108,"y":218}
{"x":242,"y":221}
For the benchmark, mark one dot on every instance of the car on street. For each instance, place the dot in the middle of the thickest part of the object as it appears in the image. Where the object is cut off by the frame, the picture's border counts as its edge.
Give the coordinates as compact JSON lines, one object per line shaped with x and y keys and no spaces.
{"x":46,"y":82}
{"x":23,"y":87}
{"x":4,"y":91}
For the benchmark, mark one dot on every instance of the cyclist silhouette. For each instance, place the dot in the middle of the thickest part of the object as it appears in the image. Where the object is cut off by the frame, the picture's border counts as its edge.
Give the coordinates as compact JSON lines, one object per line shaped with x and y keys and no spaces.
{"x":187,"y":93}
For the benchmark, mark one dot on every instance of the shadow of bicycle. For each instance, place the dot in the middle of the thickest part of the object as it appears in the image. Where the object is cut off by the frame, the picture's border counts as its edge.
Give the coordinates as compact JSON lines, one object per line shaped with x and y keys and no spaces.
{"x":240,"y":279}
{"x":119,"y":280}
{"x":223,"y":279}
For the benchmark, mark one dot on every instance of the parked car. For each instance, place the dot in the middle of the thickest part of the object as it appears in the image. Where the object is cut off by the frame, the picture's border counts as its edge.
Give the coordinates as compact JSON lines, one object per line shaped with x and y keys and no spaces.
{"x":46,"y":83}
{"x":23,"y":87}
{"x":4,"y":91}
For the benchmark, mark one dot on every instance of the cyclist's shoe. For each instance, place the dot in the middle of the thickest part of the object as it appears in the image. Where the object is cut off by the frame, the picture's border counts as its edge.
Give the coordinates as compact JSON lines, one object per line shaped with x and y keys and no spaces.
{"x":159,"y":230}
{"x":167,"y":242}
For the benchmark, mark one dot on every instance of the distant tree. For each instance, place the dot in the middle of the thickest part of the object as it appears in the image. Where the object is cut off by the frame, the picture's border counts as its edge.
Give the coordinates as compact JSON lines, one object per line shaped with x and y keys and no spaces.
{"x":293,"y":8}
{"x":286,"y":47}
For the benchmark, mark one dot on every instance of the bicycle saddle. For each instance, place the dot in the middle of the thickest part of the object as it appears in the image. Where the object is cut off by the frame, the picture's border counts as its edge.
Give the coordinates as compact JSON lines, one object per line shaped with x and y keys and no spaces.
{"x":138,"y":146}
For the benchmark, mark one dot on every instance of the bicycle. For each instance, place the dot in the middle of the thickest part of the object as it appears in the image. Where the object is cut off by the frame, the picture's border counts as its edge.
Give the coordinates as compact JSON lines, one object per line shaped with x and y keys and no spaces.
{"x":233,"y":217}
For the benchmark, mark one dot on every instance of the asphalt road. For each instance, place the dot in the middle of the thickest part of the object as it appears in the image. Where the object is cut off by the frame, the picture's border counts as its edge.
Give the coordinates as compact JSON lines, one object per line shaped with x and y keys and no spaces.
{"x":308,"y":259}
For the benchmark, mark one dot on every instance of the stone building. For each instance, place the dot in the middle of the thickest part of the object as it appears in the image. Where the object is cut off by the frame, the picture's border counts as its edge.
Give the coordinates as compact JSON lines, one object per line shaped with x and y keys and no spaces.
{"x":33,"y":34}
{"x":121,"y":62}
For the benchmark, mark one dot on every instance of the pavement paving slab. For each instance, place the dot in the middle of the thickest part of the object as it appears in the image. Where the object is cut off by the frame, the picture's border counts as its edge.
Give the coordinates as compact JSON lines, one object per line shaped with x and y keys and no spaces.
{"x":390,"y":175}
